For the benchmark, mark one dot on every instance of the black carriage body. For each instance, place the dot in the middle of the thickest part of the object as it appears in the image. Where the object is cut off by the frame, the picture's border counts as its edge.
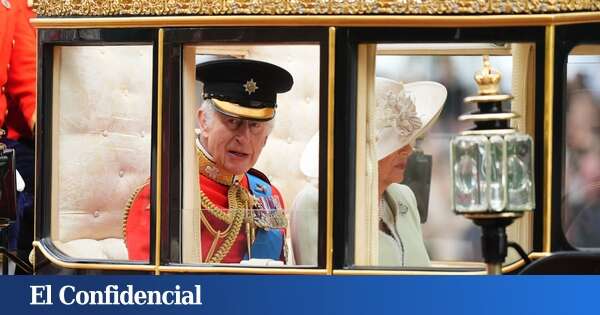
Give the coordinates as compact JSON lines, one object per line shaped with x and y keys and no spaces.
{"x":338,"y":42}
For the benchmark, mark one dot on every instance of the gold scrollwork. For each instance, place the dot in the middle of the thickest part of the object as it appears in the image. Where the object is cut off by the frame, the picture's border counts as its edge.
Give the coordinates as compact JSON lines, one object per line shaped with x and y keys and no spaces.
{"x":305,"y":7}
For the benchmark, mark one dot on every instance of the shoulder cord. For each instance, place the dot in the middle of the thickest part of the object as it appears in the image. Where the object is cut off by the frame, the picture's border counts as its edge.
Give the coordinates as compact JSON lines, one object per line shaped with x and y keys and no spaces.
{"x":226,"y":217}
{"x":128,"y":206}
{"x":239,"y":202}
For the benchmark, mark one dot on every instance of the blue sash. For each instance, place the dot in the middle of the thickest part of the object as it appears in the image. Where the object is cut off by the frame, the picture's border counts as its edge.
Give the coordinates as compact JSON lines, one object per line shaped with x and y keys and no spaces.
{"x":268,"y":244}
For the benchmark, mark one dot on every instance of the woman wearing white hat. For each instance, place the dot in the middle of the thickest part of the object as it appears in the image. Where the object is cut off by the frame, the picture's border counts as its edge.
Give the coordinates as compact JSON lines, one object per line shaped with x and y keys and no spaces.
{"x":403,"y":113}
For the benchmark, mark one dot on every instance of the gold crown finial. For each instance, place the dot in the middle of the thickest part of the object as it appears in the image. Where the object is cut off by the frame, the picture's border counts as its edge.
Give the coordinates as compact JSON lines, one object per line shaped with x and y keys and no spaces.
{"x":488,"y":78}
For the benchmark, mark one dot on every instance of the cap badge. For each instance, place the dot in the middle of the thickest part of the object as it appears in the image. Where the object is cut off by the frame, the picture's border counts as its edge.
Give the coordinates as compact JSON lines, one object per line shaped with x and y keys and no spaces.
{"x":250,"y":86}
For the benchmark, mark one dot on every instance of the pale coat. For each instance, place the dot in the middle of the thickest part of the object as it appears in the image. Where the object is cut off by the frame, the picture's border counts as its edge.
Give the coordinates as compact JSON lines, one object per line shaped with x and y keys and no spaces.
{"x":399,"y":213}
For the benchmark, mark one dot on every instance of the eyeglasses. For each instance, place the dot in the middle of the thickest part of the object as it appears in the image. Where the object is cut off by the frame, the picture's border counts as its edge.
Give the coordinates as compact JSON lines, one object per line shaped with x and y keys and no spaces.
{"x":237,"y":124}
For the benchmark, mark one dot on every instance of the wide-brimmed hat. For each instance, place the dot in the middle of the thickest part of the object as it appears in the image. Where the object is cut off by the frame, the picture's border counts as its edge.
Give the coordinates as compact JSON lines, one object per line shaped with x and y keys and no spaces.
{"x":404,"y":112}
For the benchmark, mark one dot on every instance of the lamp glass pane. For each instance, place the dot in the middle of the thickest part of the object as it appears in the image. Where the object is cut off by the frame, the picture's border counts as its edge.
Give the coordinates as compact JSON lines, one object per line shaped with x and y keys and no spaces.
{"x":497,"y":175}
{"x":470,"y":188}
{"x":520,"y":172}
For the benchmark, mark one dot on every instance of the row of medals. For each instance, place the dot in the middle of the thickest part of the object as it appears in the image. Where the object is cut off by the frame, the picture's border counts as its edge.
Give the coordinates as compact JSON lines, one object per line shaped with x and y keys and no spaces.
{"x":268,"y":214}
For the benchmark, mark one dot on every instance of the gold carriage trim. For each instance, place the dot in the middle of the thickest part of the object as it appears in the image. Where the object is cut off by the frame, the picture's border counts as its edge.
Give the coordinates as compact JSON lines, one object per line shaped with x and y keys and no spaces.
{"x":306,"y":7}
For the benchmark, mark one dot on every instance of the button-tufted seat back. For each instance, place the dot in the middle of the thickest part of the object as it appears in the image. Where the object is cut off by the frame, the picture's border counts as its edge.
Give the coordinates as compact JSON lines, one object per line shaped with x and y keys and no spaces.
{"x":102,"y":135}
{"x":297,"y":117}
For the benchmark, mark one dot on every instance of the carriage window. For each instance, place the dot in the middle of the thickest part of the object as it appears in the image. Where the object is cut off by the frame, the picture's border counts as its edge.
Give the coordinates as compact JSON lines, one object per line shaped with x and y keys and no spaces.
{"x":415,"y":95}
{"x":581,"y":199}
{"x":102,"y":109}
{"x":250,"y":154}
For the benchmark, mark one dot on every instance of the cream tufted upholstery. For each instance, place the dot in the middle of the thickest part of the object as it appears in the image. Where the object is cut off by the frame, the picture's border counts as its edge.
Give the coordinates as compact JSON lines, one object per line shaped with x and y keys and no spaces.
{"x":101,"y":151}
{"x":103,"y":108}
{"x":297,"y":122}
{"x":297,"y":116}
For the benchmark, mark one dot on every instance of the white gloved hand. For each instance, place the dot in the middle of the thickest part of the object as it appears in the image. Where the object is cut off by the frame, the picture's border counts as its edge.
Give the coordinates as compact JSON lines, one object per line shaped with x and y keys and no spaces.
{"x":261,"y":262}
{"x":20,"y":182}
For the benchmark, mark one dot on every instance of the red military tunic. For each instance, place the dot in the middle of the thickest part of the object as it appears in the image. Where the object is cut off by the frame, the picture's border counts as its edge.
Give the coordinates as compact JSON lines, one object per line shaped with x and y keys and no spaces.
{"x":137,"y":222}
{"x":17,"y":69}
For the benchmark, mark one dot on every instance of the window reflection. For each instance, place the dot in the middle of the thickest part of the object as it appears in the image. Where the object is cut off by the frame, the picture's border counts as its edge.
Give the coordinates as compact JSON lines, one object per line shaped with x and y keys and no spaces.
{"x":446,"y":236}
{"x":278,"y":225}
{"x":413,"y":217}
{"x":581,"y":213}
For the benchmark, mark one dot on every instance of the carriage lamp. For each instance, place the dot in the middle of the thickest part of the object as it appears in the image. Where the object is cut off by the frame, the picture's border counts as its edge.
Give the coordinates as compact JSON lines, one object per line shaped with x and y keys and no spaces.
{"x":492,"y":168}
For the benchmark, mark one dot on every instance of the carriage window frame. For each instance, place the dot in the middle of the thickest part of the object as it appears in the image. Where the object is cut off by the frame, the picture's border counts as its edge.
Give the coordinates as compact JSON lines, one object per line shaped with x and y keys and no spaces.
{"x":172,"y":134}
{"x":346,"y":66}
{"x":568,"y":38}
{"x":48,"y":41}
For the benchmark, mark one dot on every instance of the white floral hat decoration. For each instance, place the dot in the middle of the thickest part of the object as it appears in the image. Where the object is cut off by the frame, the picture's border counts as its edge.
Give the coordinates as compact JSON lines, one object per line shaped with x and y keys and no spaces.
{"x":404,"y":112}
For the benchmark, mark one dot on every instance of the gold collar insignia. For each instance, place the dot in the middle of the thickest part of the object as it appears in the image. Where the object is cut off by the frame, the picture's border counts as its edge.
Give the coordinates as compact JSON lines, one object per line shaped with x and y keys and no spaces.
{"x":208,"y":168}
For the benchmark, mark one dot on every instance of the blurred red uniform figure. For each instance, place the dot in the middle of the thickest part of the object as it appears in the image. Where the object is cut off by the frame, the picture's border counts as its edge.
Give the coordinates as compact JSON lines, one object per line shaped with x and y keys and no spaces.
{"x":17,"y":69}
{"x":17,"y":107}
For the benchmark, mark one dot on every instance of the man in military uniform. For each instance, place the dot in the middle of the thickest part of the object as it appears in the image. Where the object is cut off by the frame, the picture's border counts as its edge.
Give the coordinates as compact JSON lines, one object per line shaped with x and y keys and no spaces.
{"x":242,"y":213}
{"x":17,"y":108}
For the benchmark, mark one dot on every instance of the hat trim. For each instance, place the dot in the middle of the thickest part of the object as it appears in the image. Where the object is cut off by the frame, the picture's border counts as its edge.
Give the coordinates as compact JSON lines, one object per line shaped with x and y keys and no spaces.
{"x":235,"y":110}
{"x":383,"y":152}
{"x":414,"y":136}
